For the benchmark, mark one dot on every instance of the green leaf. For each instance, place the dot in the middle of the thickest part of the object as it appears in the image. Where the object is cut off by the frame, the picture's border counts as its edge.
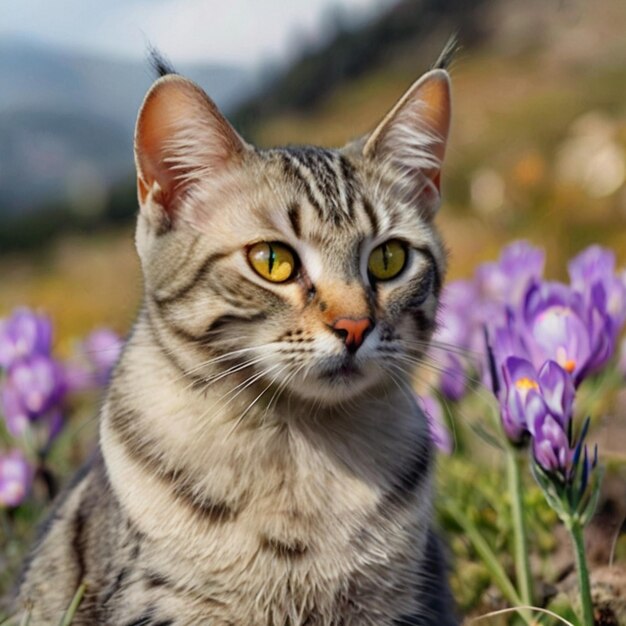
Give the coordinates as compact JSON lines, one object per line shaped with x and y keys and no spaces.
{"x":594,"y":489}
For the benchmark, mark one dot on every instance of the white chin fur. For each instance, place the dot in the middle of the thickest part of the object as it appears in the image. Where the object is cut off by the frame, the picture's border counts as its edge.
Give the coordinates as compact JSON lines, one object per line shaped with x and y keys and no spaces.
{"x":332,"y":390}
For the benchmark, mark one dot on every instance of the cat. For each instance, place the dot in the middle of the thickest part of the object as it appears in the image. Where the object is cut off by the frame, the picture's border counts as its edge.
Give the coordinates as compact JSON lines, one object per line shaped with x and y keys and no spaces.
{"x":261,"y":459}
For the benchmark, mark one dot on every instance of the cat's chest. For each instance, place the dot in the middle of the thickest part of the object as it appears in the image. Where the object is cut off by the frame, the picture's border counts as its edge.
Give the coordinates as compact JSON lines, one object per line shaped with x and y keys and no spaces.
{"x":281,"y":556}
{"x":291,"y":569}
{"x":273,"y":523}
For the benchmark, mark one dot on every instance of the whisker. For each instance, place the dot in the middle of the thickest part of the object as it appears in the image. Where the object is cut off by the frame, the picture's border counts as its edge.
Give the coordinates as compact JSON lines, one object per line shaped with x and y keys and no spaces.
{"x":219,"y":359}
{"x":468,"y":353}
{"x":240,"y":419}
{"x":231,"y":370}
{"x":233,"y":393}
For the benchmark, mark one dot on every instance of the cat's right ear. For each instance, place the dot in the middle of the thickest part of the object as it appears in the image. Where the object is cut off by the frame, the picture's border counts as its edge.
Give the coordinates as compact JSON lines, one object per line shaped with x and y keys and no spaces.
{"x":180,"y":138}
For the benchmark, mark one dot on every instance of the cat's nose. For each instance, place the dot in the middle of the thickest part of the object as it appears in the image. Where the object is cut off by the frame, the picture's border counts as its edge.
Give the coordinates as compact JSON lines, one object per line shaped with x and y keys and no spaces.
{"x":353,"y":332}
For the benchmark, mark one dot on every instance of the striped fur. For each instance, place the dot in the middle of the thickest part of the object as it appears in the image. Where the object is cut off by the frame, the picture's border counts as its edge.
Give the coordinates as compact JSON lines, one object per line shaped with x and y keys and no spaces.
{"x":242,"y":476}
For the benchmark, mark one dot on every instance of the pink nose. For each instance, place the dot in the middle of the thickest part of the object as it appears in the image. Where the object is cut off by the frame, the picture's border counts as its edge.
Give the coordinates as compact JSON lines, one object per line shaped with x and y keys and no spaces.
{"x":353,"y":332}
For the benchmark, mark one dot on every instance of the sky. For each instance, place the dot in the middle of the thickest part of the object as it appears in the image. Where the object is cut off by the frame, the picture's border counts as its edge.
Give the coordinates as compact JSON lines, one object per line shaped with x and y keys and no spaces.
{"x":245,"y":32}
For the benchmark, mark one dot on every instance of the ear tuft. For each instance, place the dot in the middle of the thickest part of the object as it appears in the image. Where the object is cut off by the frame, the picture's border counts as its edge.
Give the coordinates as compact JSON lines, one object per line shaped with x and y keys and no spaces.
{"x":412,"y":138}
{"x":160,"y":65}
{"x":180,"y":138}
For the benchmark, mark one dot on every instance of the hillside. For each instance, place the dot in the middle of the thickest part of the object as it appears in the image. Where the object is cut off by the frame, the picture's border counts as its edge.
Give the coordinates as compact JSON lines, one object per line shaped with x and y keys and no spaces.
{"x":66,"y":121}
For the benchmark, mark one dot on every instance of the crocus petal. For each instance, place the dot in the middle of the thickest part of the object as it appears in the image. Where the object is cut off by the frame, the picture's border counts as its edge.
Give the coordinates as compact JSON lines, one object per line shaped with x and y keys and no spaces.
{"x":591,"y":265}
{"x":557,"y":390}
{"x":452,"y":382}
{"x":102,"y":348}
{"x":39,"y":382}
{"x":15,"y":415}
{"x":16,"y":477}
{"x":438,"y":432}
{"x":24,"y":334}
{"x":551,"y":446}
{"x":520,"y":400}
{"x":507,"y":280}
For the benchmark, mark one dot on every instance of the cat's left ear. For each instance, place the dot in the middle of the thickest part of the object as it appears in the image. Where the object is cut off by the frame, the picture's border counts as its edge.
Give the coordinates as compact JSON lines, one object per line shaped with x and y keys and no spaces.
{"x":412,"y":139}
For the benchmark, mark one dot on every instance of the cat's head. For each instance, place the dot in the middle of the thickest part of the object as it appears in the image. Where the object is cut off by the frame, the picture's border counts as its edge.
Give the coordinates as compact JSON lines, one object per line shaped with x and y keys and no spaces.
{"x":301,"y":269}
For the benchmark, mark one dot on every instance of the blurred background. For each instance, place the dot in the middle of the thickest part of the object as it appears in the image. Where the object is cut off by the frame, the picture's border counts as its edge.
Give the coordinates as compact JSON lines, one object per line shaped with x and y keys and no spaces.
{"x":538,"y":148}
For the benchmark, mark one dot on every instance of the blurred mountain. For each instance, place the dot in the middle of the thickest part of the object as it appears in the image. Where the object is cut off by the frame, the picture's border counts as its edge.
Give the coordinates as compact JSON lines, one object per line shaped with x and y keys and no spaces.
{"x":406,"y":32}
{"x":66,"y":120}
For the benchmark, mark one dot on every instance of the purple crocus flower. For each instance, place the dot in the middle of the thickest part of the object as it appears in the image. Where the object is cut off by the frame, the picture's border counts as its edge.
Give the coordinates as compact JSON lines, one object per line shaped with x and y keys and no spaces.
{"x":560,"y":326}
{"x":38,"y":380}
{"x":453,"y":377}
{"x":98,"y":353}
{"x":506,"y":280}
{"x":16,"y":477}
{"x":594,"y":264}
{"x":509,"y":340}
{"x":32,"y":394}
{"x":592,"y":274}
{"x":438,"y":432}
{"x":103,"y":348}
{"x":528,"y":398}
{"x":488,"y":302}
{"x":458,"y":301}
{"x":520,"y":397}
{"x":23,"y":334}
{"x":566,"y":464}
{"x":455,"y":332}
{"x":551,"y":447}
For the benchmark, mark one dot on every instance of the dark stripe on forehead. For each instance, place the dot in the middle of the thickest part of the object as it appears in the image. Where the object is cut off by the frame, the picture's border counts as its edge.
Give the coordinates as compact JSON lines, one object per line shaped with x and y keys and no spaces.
{"x":293,"y":213}
{"x":349,"y":184}
{"x":292,"y":169}
{"x":371,"y":215}
{"x":323,"y":179}
{"x":326,"y":177}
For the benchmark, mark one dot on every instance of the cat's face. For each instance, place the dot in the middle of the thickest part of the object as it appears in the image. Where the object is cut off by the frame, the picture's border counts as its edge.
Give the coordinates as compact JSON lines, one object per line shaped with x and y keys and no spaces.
{"x":300,"y":269}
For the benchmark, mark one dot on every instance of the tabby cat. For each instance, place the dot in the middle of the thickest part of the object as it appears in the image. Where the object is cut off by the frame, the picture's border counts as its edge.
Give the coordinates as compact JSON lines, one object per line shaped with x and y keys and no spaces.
{"x":262,"y":460}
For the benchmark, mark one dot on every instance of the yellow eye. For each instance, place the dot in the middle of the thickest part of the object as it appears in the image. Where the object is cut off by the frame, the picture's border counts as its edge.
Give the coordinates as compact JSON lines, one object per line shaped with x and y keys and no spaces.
{"x":387,"y":260}
{"x":273,"y":261}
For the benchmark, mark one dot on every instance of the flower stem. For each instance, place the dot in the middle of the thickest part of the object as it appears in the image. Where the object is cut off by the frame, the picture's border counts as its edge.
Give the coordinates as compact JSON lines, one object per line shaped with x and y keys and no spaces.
{"x":522,"y":564}
{"x":576,"y":531}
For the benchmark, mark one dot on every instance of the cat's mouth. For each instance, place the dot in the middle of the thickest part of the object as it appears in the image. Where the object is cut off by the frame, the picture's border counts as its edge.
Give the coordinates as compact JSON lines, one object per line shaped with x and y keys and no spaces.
{"x":342,"y":371}
{"x":337,"y":378}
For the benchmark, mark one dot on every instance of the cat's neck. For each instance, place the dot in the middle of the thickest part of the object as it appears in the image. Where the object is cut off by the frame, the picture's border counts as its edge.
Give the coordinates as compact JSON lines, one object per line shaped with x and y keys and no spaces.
{"x":179,"y":455}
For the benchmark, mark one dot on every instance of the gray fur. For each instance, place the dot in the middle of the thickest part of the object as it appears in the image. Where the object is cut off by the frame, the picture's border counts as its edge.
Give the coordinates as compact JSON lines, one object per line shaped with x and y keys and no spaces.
{"x":237,"y":481}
